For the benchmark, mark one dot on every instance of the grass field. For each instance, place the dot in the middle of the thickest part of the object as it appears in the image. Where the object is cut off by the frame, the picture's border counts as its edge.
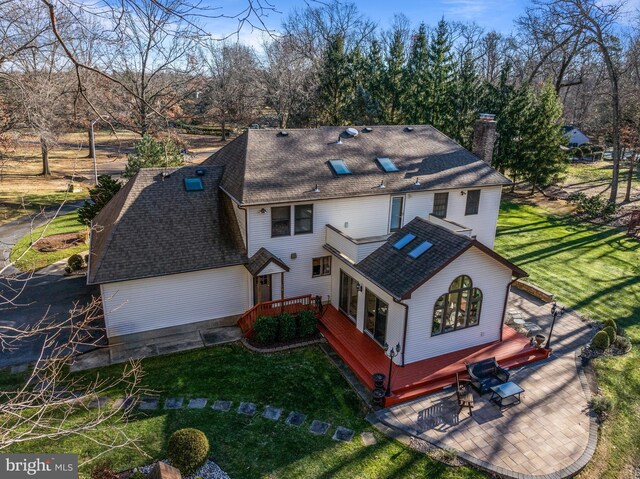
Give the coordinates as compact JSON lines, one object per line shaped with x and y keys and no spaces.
{"x":33,"y":259}
{"x":595,"y":270}
{"x":595,"y":178}
{"x":302,"y":380}
{"x":14,"y":204}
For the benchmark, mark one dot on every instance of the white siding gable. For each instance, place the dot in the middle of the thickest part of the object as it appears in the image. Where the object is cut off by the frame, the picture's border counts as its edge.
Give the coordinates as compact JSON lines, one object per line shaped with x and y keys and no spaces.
{"x":487,"y":274}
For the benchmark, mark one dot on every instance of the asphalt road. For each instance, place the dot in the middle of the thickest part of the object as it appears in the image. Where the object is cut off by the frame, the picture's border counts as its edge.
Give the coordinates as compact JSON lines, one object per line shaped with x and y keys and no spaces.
{"x":44,"y":297}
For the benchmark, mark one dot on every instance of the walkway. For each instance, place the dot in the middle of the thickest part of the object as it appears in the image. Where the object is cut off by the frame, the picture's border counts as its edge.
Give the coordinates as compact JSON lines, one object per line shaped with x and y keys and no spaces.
{"x":551,"y":434}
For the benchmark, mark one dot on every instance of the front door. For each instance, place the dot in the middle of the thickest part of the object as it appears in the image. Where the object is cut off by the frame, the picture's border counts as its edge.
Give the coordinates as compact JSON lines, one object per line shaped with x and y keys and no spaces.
{"x":262,"y":289}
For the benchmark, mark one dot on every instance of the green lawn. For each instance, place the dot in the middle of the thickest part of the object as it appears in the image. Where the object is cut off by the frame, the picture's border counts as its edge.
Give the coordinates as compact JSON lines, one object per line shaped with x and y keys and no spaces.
{"x":302,"y":380}
{"x":14,"y":204}
{"x":595,"y":270}
{"x":598,"y":173}
{"x":34,"y":259}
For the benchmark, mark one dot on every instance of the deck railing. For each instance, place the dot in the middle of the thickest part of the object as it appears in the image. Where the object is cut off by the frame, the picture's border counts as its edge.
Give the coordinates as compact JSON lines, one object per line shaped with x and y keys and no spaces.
{"x":273,"y":308}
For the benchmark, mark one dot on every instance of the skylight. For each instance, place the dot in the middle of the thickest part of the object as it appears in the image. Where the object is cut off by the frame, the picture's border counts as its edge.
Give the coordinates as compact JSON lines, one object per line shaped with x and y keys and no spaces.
{"x":339,"y":167}
{"x":193,"y":184}
{"x":420,"y":249}
{"x":404,"y":241}
{"x":387,"y":164}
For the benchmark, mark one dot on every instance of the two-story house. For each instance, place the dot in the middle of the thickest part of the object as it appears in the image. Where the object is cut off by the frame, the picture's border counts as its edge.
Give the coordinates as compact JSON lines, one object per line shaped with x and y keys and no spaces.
{"x":391,"y":225}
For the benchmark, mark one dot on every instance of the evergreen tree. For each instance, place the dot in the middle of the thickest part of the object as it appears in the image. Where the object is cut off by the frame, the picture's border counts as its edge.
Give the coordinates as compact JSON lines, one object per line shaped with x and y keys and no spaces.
{"x":334,"y":82}
{"x":150,"y":153}
{"x":393,"y":92}
{"x":98,"y":198}
{"x":416,"y":78}
{"x":547,"y":158}
{"x":466,"y":102}
{"x":440,"y":88}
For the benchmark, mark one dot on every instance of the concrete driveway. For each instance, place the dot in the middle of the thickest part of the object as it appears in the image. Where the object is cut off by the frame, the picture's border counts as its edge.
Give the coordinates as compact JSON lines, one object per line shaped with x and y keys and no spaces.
{"x":48,"y":296}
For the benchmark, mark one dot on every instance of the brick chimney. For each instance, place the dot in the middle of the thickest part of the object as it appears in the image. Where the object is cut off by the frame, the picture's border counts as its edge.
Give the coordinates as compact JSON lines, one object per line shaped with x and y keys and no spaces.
{"x":484,"y":137}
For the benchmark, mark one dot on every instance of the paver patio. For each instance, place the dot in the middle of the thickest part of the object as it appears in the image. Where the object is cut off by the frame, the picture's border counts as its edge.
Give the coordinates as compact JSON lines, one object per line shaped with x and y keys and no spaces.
{"x":551,"y":432}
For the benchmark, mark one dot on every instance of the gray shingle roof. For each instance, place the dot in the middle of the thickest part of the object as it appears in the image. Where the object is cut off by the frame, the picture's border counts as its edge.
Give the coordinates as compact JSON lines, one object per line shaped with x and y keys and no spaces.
{"x":263,"y":166}
{"x":261,"y":259}
{"x":154,"y":227}
{"x":399,"y":274}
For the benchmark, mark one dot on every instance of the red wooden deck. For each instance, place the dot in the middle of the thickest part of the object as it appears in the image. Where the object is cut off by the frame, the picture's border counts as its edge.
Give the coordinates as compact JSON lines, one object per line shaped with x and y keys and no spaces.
{"x":365,"y":357}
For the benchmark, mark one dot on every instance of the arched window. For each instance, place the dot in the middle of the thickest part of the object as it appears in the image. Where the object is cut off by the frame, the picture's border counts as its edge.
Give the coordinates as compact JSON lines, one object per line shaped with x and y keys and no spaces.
{"x":457,"y":309}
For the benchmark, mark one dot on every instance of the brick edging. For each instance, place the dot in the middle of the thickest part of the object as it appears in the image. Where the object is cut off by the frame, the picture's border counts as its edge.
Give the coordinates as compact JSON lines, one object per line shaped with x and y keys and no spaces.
{"x":278,"y":349}
{"x":570,"y":471}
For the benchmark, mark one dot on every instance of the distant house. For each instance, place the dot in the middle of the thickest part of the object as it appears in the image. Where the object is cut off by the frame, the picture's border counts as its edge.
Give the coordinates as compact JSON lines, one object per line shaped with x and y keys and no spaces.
{"x":575,"y":136}
{"x":393,"y":226}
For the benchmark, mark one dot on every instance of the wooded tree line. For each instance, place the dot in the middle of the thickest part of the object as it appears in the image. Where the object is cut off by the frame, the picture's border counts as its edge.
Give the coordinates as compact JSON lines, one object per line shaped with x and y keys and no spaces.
{"x":151,"y":65}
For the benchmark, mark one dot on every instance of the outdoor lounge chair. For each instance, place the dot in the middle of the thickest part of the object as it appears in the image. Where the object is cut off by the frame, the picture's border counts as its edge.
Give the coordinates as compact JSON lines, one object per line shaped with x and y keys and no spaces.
{"x":485,"y":374}
{"x":464,"y":395}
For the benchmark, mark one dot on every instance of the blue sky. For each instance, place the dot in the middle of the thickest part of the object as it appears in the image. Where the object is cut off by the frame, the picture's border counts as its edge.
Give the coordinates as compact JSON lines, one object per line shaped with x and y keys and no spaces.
{"x":489,"y":14}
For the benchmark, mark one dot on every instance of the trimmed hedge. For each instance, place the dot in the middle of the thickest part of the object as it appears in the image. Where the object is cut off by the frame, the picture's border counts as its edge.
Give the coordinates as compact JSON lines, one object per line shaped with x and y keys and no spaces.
{"x":75,"y":262}
{"x":188,"y":449}
{"x":610,"y":322}
{"x":286,"y":327}
{"x":601,"y":340}
{"x":266,"y":329}
{"x":307,"y":323}
{"x":611,"y":332}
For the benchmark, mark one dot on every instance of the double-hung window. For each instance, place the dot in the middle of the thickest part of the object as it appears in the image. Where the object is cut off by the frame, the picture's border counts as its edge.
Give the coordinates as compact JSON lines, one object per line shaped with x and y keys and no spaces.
{"x":440,"y":202}
{"x":473,"y":202}
{"x":303,"y":219}
{"x":280,"y":221}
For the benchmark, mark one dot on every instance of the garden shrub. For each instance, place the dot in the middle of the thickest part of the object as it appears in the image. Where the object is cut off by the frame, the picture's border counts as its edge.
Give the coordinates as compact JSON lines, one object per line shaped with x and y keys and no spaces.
{"x":138,"y":475}
{"x":611,"y":333}
{"x":601,"y":405}
{"x":592,"y":207}
{"x":601,"y":340}
{"x":307,"y":323}
{"x":610,"y":322}
{"x":622,"y":343}
{"x":287,"y":327}
{"x":103,"y":470}
{"x":266,"y":329}
{"x":188,"y":449}
{"x":75,"y":262}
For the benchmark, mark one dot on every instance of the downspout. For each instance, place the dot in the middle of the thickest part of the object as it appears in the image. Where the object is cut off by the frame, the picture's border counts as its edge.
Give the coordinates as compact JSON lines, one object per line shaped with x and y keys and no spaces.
{"x":504,"y":309}
{"x":406,"y":320}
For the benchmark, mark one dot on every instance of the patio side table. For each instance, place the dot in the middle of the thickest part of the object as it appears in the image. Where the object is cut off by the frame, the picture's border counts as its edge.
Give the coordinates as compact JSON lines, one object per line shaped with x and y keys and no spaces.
{"x":509,"y":392}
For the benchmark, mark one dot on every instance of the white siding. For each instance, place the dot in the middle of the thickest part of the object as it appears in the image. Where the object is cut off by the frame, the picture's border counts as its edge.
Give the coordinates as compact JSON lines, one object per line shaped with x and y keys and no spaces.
{"x":152,"y":303}
{"x":487,"y":274}
{"x":395,"y":316}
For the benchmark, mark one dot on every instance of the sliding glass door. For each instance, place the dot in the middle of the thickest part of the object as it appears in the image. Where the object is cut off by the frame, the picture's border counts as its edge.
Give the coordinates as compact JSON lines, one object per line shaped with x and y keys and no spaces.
{"x":376,"y":319}
{"x":348,"y":295}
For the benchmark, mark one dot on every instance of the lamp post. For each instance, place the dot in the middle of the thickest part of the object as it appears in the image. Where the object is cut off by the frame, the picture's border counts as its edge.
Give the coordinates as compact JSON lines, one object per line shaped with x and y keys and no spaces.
{"x":555,"y":312}
{"x":93,"y":150}
{"x":390,"y":353}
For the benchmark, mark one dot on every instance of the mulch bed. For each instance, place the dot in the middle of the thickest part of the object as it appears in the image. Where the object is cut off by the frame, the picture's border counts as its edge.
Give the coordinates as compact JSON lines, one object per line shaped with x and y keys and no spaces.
{"x":59,"y":242}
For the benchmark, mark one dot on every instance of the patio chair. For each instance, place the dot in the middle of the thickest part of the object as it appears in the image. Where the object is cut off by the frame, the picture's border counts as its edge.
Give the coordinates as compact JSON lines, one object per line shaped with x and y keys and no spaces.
{"x":464,"y":395}
{"x":486,"y":374}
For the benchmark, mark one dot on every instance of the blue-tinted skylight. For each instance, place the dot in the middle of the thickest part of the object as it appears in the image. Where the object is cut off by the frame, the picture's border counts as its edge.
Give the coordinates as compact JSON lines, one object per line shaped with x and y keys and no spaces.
{"x":339,"y":167}
{"x":404,"y":241}
{"x":387,"y":165}
{"x":193,"y":184}
{"x":420,"y":249}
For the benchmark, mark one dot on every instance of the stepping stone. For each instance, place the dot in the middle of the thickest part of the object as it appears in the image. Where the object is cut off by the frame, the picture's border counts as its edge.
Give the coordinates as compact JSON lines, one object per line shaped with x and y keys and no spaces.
{"x":197,"y":403}
{"x":149,"y":404}
{"x":223,"y":406}
{"x":318,"y":427}
{"x":247,"y":408}
{"x":98,"y":402}
{"x":19,"y":368}
{"x":272,"y":413}
{"x":368,"y":438}
{"x":342,"y":434}
{"x":124,"y":403}
{"x":295,"y":419}
{"x":173,"y":403}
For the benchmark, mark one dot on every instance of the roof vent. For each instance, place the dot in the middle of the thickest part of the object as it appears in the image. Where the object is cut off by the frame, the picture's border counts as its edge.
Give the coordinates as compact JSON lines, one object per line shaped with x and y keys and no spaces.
{"x":417,"y":183}
{"x":367,"y":129}
{"x":283,"y":133}
{"x":339,"y":142}
{"x":352,"y":132}
{"x":200,"y":172}
{"x":381,"y":185}
{"x":408,"y":129}
{"x":316,"y":189}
